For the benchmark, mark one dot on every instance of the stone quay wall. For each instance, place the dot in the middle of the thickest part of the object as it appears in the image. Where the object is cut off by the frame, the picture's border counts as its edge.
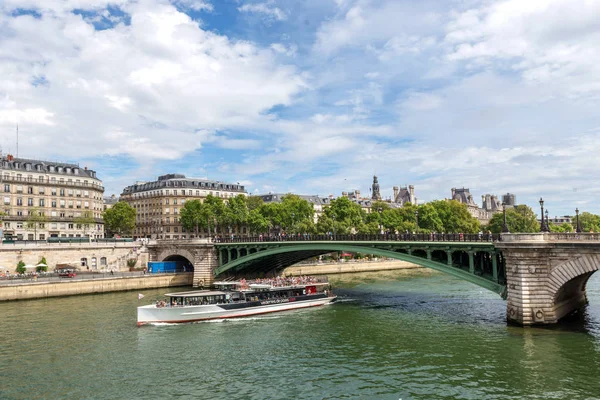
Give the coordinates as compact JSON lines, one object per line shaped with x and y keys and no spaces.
{"x":39,"y":290}
{"x":116,"y":255}
{"x":347,"y":267}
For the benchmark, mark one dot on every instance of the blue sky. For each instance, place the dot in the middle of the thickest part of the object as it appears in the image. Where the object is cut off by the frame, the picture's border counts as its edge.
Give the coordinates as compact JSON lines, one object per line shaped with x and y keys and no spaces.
{"x":312,"y":97}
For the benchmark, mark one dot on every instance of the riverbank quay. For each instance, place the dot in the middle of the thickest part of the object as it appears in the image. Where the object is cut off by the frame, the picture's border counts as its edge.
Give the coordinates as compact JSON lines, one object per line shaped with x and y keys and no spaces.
{"x":347,"y":267}
{"x":84,"y":255}
{"x":39,"y":290}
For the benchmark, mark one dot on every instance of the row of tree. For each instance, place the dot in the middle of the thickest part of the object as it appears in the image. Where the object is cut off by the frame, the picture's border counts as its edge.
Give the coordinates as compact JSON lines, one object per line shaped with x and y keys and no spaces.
{"x":294,"y":215}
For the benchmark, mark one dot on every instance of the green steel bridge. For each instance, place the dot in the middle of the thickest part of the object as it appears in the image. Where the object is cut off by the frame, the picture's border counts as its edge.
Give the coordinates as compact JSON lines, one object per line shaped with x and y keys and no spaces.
{"x":473,"y":258}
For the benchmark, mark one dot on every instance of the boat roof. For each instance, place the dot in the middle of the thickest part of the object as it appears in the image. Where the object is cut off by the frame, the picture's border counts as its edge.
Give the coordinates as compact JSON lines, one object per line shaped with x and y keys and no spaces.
{"x":196,"y":293}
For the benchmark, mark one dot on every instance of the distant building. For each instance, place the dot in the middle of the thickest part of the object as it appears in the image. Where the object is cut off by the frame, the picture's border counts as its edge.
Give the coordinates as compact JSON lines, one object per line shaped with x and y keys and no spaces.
{"x":110,"y":201}
{"x":60,"y":192}
{"x":560,"y":220}
{"x":509,"y":199}
{"x":375,"y":195}
{"x":402,"y":196}
{"x":490,"y":204}
{"x":158,"y":203}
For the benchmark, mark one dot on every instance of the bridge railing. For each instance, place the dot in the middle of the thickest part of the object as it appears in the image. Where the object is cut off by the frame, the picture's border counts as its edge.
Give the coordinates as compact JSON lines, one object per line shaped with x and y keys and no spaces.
{"x":551,"y":237}
{"x":408,"y":237}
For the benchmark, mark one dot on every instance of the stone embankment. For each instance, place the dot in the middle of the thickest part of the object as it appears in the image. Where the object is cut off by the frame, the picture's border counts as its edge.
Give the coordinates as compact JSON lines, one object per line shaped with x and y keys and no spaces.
{"x":38,"y":290}
{"x":348,"y":267}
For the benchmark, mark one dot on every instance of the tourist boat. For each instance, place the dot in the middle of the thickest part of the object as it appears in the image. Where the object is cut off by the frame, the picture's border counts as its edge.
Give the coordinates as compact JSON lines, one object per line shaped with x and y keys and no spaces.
{"x":235,"y":299}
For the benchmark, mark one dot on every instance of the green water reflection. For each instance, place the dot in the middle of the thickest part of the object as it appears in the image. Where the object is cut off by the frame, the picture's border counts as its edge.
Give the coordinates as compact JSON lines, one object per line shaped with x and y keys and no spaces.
{"x":409,"y":335}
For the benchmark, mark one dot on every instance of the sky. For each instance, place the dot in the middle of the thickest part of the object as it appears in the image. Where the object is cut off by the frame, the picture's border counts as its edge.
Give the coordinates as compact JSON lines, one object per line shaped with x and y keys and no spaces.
{"x":314,"y":96}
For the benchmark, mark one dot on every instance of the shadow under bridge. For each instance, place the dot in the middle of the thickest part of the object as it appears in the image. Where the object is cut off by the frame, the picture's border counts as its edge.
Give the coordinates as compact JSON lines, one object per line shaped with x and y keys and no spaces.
{"x":478,"y":263}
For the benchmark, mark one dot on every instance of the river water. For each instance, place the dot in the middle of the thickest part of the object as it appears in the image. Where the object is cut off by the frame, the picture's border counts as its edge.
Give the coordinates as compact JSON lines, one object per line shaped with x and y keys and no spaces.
{"x":395,"y":335}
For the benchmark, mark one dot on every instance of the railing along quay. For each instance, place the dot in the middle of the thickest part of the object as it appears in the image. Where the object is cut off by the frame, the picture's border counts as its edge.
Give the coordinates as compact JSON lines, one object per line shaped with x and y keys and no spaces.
{"x":409,"y":237}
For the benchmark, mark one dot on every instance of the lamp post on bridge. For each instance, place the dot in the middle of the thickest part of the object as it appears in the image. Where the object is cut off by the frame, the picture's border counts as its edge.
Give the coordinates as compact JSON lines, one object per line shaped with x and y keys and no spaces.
{"x":504,"y":225}
{"x":417,"y":219}
{"x":578,"y":225}
{"x":333,"y":216}
{"x":543,"y":226}
{"x":380,"y":210}
{"x":547,"y":222}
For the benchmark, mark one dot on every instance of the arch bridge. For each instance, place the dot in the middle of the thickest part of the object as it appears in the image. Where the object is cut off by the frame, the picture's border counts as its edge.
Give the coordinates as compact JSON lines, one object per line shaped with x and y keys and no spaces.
{"x":471,"y":258}
{"x":543,"y":276}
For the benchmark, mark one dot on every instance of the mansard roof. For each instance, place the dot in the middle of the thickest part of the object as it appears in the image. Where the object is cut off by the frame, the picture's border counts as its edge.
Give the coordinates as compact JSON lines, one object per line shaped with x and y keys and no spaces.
{"x":10,"y":163}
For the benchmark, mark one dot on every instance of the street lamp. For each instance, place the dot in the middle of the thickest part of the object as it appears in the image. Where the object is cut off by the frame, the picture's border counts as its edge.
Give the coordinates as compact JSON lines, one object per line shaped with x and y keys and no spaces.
{"x":547,"y":222}
{"x":543,"y":227}
{"x":333,"y":216}
{"x":417,"y":219}
{"x":380,"y":210}
{"x":504,"y":225}
{"x":578,"y":225}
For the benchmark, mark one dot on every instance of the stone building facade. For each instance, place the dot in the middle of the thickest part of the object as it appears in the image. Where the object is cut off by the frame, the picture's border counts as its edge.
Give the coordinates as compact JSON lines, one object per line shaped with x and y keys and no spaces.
{"x":158,"y":203}
{"x":43,"y":199}
{"x":490,"y":204}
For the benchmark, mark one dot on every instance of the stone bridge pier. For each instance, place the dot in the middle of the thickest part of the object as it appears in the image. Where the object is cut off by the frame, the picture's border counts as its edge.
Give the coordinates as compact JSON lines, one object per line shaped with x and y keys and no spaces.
{"x":546,"y":274}
{"x":200,"y":253}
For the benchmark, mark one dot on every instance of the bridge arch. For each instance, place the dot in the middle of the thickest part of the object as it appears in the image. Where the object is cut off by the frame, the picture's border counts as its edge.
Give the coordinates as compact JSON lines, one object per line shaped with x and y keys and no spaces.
{"x":567,"y":281}
{"x":184,"y":258}
{"x":327,"y":247}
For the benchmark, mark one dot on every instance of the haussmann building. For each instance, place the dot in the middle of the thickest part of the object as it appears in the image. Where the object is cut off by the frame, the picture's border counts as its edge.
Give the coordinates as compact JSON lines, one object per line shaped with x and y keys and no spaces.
{"x":43,"y":199}
{"x":158,"y":203}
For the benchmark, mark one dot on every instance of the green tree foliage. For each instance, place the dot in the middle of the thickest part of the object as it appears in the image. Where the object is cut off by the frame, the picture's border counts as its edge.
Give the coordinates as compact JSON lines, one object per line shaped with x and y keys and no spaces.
{"x":236,"y":212}
{"x":589,"y":222}
{"x":20,"y":267}
{"x":562,"y":228}
{"x":120,"y":218}
{"x":35,"y":218}
{"x":454,"y":217}
{"x":254,"y":202}
{"x":520,"y":219}
{"x":214,"y":208}
{"x":193,"y":216}
{"x":342,"y":213}
{"x":42,"y":268}
{"x":257,"y":222}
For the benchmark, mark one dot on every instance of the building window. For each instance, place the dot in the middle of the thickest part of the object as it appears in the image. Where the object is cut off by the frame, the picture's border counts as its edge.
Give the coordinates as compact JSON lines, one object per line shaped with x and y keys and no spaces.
{"x":19,"y":189}
{"x":29,"y":189}
{"x":30,"y":202}
{"x":94,"y":265}
{"x":19,"y":213}
{"x":70,"y":226}
{"x":19,"y":201}
{"x":103,"y":261}
{"x":84,"y":262}
{"x":62,"y":192}
{"x":42,"y":190}
{"x":7,"y":188}
{"x":54,"y":203}
{"x":62,"y":204}
{"x":42,"y":203}
{"x":7,"y":201}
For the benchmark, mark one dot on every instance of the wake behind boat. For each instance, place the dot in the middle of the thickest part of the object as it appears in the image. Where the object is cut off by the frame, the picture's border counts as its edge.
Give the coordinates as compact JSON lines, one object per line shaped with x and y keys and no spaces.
{"x":234,"y":299}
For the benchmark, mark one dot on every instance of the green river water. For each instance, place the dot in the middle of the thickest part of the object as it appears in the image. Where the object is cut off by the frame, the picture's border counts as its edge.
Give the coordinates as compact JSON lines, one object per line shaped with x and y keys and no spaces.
{"x":394,"y":335}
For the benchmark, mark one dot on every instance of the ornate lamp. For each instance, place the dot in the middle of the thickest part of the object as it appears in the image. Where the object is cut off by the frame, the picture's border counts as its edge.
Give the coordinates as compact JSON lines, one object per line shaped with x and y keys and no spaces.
{"x":504,"y":225}
{"x":543,"y":227}
{"x":547,"y":222}
{"x":578,"y":225}
{"x":417,"y":219}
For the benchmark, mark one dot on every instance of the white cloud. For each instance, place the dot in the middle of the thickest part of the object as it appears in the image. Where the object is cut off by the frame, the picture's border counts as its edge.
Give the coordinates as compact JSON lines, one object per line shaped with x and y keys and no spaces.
{"x":142,"y":90}
{"x":266,"y":8}
{"x":554,"y":41}
{"x":196,"y":5}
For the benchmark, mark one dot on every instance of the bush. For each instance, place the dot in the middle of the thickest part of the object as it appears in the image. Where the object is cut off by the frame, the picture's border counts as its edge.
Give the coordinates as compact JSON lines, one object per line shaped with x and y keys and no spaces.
{"x":21,"y":267}
{"x":42,"y":268}
{"x":131,"y":264}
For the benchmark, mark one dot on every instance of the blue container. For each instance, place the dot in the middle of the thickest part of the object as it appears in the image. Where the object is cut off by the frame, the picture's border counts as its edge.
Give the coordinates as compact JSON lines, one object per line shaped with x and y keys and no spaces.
{"x":156,"y":267}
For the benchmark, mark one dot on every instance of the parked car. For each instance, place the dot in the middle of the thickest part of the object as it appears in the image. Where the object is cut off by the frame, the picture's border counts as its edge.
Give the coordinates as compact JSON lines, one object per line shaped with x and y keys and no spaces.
{"x":66,"y":273}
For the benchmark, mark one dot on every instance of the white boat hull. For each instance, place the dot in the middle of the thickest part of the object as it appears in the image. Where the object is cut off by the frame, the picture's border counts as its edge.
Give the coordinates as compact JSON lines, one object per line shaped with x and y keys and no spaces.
{"x":152,"y":314}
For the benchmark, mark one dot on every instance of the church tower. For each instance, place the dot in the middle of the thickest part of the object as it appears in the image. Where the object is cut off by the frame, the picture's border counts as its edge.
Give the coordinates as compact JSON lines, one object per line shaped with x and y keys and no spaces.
{"x":376,"y":195}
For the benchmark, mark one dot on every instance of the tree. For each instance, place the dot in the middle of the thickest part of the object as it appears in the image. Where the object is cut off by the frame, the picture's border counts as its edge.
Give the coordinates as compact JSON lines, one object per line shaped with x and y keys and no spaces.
{"x":42,"y":268}
{"x":214,"y":209}
{"x":343,"y":214}
{"x":193,"y":216}
{"x":120,"y":218}
{"x":257,"y":222}
{"x":236,"y":212}
{"x":520,"y":219}
{"x":454,"y":216}
{"x":562,"y":228}
{"x":254,"y":202}
{"x":21,"y":267}
{"x":589,"y":222}
{"x":34,"y":220}
{"x":85,"y":220}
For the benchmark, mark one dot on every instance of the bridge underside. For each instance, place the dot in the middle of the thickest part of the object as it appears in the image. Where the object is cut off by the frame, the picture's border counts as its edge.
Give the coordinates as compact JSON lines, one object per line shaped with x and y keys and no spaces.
{"x":480,"y":264}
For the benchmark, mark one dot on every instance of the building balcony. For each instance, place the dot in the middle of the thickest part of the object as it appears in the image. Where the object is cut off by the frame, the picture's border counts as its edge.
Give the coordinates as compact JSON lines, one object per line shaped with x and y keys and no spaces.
{"x":31,"y":181}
